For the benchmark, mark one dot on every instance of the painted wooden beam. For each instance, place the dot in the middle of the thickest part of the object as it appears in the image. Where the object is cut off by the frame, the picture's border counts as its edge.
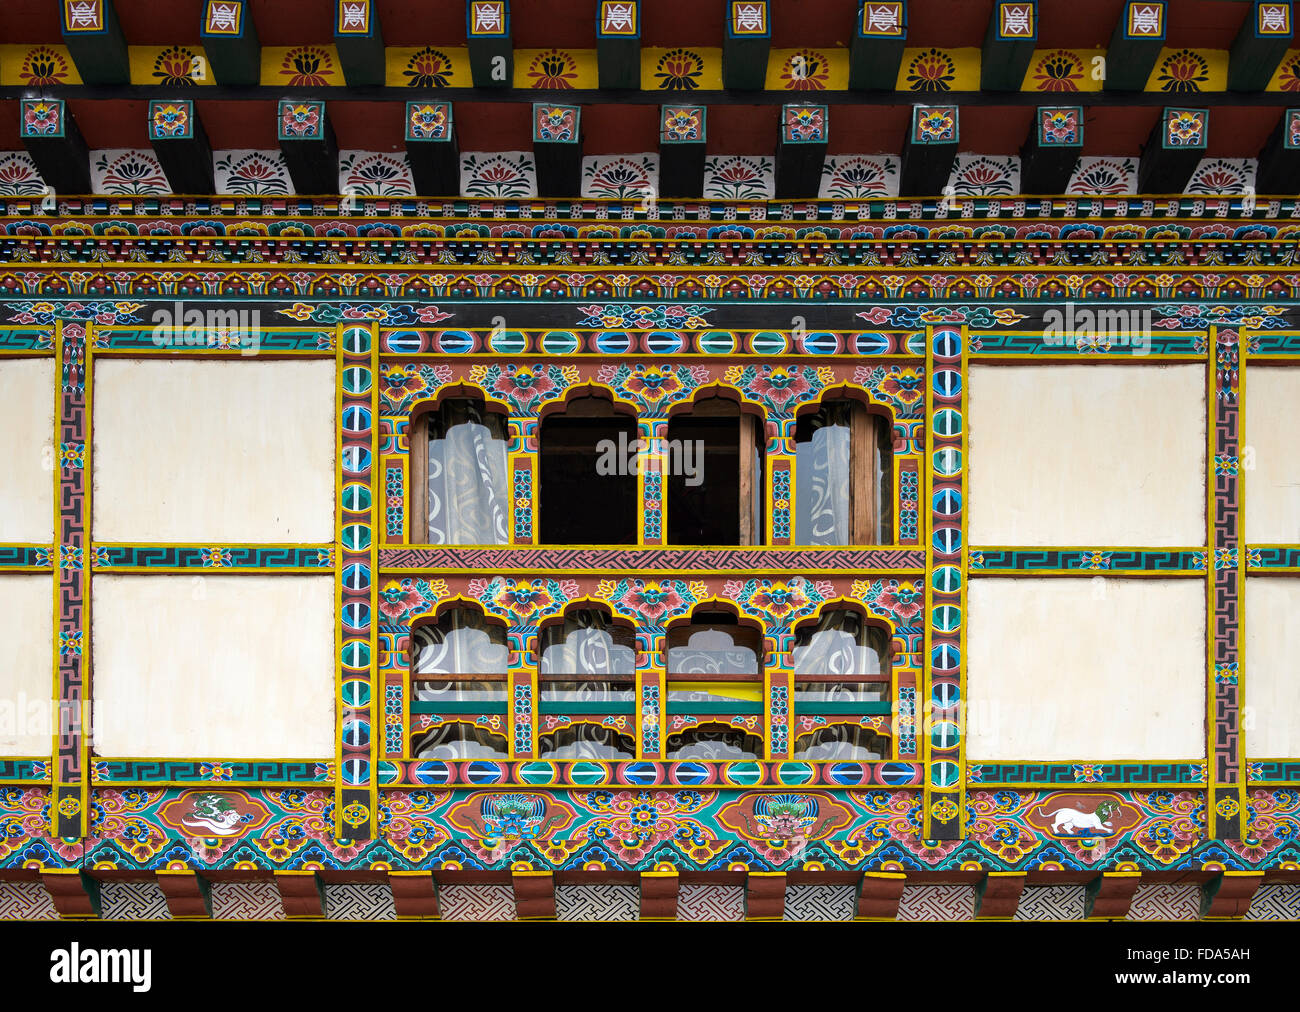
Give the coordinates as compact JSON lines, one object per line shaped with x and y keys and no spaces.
{"x":801,"y":150}
{"x":659,"y":891}
{"x":359,"y":39}
{"x":1110,"y":894}
{"x":1229,"y":893}
{"x":765,"y":896}
{"x":557,"y":149}
{"x":998,"y":895}
{"x":230,"y":42}
{"x":1052,"y":150}
{"x":491,"y":52}
{"x":95,"y":41}
{"x":534,"y":895}
{"x":929,"y":151}
{"x":310,"y":151}
{"x":189,"y":897}
{"x":1279,"y":159}
{"x":181,"y":145}
{"x":74,"y":893}
{"x":746,"y":44}
{"x":1173,"y":150}
{"x":1135,"y":45}
{"x":1008,"y":45}
{"x":879,"y":894}
{"x":49,"y":132}
{"x":618,"y":44}
{"x":1262,"y":42}
{"x":682,"y":134}
{"x":876,"y":52}
{"x":415,"y":895}
{"x":431,"y":149}
{"x":302,"y":894}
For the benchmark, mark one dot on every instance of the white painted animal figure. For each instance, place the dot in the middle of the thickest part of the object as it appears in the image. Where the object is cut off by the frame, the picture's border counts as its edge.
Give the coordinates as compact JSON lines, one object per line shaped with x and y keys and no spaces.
{"x":1071,"y":820}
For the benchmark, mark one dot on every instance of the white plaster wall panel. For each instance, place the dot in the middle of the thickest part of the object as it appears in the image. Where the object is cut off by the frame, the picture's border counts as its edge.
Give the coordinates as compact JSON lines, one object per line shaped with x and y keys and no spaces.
{"x":1272,"y":620}
{"x":232,"y":666}
{"x":214,"y":452}
{"x":1087,"y":455}
{"x":27,"y":427}
{"x":1270,"y":465}
{"x":26,"y":664}
{"x":1076,"y":668}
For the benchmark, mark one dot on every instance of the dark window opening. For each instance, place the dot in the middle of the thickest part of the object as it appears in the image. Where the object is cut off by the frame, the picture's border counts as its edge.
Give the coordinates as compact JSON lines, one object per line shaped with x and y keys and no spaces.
{"x":715,"y":476}
{"x":579,"y":501}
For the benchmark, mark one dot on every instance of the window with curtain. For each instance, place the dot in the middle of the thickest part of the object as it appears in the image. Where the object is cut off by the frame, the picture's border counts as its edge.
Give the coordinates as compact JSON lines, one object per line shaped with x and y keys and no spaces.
{"x":459,"y":667}
{"x":713,"y":668}
{"x":459,"y":479}
{"x":841,"y":676}
{"x":588,"y":669}
{"x":843,"y":485}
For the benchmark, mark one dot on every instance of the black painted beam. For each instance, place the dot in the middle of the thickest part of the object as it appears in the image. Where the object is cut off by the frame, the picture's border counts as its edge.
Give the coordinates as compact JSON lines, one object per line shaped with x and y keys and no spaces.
{"x":618,"y":44}
{"x":1008,"y":45}
{"x":929,"y":151}
{"x":746,"y":44}
{"x":1135,"y":45}
{"x":682,"y":136}
{"x":801,"y":150}
{"x":876,"y":51}
{"x":557,"y":148}
{"x":1260,"y":45}
{"x":230,"y":41}
{"x":50,"y":135}
{"x":1279,"y":159}
{"x":310,"y":151}
{"x":1173,"y":151}
{"x":181,"y":144}
{"x":431,"y":149}
{"x":1052,"y":149}
{"x":491,"y":52}
{"x":95,"y":40}
{"x":359,"y":41}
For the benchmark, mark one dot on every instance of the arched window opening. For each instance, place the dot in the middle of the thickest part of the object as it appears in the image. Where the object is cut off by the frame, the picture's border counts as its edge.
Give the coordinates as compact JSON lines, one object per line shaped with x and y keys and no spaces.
{"x":459,"y":667}
{"x":462,"y":740}
{"x":586,"y":741}
{"x":842,"y":686}
{"x":459,"y":481}
{"x":586,"y":490}
{"x":714,"y":669}
{"x":843,"y":476}
{"x":715,"y":476}
{"x":843,"y":742}
{"x":714,"y":742}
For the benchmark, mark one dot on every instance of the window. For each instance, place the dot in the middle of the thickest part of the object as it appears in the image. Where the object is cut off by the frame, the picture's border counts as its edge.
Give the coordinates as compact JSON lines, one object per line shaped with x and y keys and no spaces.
{"x":841,"y":689}
{"x":587,"y":678}
{"x":459,"y":688}
{"x":459,"y":480}
{"x":715,"y":690}
{"x":715,"y":476}
{"x":579,"y":501}
{"x":843,"y":483}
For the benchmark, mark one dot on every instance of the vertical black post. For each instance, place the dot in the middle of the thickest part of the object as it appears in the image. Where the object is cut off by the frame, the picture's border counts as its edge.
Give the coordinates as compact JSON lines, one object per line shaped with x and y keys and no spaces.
{"x":682,"y":135}
{"x":877,"y":48}
{"x":359,"y":41}
{"x":557,"y":146}
{"x":618,"y":44}
{"x":801,"y":150}
{"x":181,"y":144}
{"x":1052,"y":149}
{"x":487,"y":34}
{"x":431,"y":149}
{"x":929,"y":151}
{"x":230,"y":41}
{"x":745,"y":45}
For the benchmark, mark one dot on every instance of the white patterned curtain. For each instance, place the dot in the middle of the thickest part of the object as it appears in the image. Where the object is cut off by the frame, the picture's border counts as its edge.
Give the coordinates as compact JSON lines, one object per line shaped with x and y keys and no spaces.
{"x":712,"y":742}
{"x":583,"y":742}
{"x":839,"y":645}
{"x":468,"y":493}
{"x":711,"y":652}
{"x":462,"y":741}
{"x":841,"y":742}
{"x":823,"y":472}
{"x":460,"y":644}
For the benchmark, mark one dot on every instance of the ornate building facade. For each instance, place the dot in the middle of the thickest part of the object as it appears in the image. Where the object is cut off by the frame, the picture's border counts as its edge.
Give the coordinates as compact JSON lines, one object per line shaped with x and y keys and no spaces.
{"x":978,"y":603}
